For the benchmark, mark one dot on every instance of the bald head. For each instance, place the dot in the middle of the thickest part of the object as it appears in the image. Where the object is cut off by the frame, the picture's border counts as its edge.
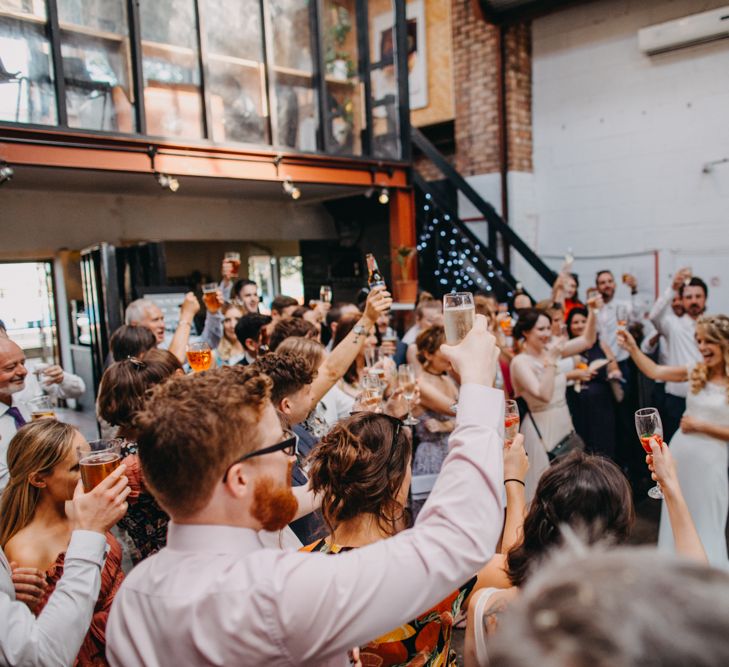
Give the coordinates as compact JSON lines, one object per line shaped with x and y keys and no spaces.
{"x":12,"y":369}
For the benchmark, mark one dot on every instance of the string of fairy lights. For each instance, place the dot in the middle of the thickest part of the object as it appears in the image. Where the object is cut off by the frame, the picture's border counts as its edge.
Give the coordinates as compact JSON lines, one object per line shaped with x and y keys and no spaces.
{"x":460,"y":264}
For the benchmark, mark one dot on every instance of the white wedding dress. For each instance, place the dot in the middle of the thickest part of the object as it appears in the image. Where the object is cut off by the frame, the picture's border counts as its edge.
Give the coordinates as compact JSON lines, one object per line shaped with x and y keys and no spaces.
{"x":701,"y":463}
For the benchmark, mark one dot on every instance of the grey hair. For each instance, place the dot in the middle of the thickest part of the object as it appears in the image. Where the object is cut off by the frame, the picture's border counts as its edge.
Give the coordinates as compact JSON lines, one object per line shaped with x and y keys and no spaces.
{"x":135,"y":310}
{"x":619,"y":608}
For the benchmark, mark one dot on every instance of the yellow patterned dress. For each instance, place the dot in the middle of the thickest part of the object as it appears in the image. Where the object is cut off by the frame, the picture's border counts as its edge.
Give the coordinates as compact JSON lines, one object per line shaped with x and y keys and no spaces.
{"x":422,"y":642}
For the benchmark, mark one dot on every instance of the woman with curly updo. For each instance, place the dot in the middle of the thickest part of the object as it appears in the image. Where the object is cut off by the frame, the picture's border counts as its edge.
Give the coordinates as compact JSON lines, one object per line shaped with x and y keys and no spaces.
{"x":361,"y":471}
{"x":700,"y":446}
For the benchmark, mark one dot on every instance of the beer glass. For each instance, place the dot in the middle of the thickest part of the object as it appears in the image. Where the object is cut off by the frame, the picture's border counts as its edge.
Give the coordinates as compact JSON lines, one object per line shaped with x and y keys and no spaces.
{"x":511,"y":421}
{"x":41,"y":408}
{"x":407,"y":384}
{"x":458,"y":315}
{"x":325,"y":294}
{"x":648,"y":425}
{"x":100,"y":462}
{"x":199,"y":356}
{"x":210,"y":297}
{"x":234,"y":259}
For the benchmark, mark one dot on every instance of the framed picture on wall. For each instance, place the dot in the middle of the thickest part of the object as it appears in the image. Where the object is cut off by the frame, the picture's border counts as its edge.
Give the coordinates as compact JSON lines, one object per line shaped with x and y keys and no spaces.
{"x":383,"y":51}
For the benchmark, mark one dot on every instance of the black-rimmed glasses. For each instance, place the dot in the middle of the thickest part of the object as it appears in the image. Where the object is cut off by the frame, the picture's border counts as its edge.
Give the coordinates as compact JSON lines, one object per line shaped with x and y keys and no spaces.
{"x":289,"y":446}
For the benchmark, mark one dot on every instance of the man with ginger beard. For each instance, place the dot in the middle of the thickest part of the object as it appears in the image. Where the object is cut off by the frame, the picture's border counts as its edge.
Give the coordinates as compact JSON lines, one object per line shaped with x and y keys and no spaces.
{"x":215,"y":457}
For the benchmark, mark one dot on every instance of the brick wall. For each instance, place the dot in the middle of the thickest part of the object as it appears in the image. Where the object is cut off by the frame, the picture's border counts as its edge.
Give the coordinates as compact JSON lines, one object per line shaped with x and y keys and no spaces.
{"x":476,"y":80}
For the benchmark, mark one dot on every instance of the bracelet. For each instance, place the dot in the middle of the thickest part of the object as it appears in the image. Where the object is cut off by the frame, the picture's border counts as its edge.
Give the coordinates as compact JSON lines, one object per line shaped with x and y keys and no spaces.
{"x":189,"y":324}
{"x":513,"y":479}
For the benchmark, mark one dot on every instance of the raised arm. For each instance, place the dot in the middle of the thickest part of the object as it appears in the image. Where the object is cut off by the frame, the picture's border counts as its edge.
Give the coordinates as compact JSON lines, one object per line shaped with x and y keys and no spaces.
{"x":588,"y":338}
{"x":178,"y":344}
{"x":368,"y":591}
{"x":663,"y":469}
{"x":660,"y":314}
{"x":516,"y":465}
{"x":342,"y":356}
{"x":647,"y":366}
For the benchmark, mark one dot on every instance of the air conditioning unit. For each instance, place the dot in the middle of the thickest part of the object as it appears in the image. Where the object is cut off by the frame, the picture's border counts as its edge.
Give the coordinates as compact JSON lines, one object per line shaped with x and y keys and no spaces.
{"x":687,"y":31}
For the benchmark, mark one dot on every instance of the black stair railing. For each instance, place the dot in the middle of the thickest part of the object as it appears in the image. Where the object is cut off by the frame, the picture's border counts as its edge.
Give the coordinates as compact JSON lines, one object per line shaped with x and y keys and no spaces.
{"x":451,"y":256}
{"x":501,"y":280}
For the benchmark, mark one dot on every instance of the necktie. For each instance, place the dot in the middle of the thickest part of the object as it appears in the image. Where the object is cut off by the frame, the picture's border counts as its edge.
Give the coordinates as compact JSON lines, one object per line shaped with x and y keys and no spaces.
{"x":17,"y":417}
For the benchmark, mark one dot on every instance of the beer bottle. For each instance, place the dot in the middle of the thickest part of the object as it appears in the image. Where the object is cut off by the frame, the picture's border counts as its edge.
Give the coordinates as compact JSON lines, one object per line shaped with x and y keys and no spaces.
{"x":374,"y":276}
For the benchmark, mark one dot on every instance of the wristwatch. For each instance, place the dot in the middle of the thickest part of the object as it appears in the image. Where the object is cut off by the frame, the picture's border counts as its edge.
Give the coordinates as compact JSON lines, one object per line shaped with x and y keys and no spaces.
{"x":359,"y":329}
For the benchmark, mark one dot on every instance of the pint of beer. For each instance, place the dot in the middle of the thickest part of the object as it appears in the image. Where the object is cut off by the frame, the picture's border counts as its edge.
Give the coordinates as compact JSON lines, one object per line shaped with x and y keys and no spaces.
{"x":100,"y":462}
{"x":42,"y":408}
{"x":199,"y":356}
{"x":234,"y":259}
{"x":210,"y":297}
{"x":458,"y":315}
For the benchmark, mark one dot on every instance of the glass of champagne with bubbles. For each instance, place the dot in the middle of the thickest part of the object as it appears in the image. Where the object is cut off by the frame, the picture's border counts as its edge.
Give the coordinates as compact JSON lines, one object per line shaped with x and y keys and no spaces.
{"x":407,"y":384}
{"x":621,"y":315}
{"x":372,"y":391}
{"x":97,"y":464}
{"x":458,"y":314}
{"x":199,"y":356}
{"x":648,"y":425}
{"x":511,"y":421}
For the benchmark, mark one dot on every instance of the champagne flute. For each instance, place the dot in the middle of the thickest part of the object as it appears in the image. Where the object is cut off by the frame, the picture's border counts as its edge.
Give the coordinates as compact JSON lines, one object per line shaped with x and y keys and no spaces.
{"x":648,"y":425}
{"x":406,"y":382}
{"x":511,"y":421}
{"x":621,"y":315}
{"x":372,"y":391}
{"x":458,"y":315}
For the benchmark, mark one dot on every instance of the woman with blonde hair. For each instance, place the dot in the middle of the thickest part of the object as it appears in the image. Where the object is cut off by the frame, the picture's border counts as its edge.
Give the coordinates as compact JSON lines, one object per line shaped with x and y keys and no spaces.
{"x":43,"y":461}
{"x":700,"y":446}
{"x":230,"y":350}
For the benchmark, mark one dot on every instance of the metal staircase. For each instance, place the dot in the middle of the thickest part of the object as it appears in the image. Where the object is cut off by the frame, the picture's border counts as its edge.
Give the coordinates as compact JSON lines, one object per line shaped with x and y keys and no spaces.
{"x":450,"y":256}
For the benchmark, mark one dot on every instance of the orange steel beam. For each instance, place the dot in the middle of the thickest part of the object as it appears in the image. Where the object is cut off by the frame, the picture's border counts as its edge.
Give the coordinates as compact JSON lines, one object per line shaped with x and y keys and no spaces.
{"x":78,"y":151}
{"x":402,"y":231}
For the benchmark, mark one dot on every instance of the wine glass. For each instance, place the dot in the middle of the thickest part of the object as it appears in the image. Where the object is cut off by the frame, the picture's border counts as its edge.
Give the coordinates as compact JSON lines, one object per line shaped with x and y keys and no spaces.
{"x":511,"y":421}
{"x":406,"y":382}
{"x":648,"y":425}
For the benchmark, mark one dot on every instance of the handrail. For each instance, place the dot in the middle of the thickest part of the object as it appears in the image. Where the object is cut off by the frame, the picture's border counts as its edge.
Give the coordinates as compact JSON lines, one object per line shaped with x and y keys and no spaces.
{"x":487,"y":210}
{"x":479,"y":246}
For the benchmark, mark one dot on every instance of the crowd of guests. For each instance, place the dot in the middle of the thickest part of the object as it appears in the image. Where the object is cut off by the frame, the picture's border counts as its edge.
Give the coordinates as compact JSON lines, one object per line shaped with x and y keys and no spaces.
{"x":211,"y":543}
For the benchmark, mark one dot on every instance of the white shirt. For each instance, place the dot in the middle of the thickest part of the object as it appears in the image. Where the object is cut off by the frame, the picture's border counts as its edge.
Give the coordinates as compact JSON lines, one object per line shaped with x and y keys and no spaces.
{"x":71,"y":386}
{"x":679,"y":333}
{"x":55,"y":637}
{"x":411,"y":334}
{"x":607,"y":325}
{"x":336,"y":405}
{"x":216,"y":596}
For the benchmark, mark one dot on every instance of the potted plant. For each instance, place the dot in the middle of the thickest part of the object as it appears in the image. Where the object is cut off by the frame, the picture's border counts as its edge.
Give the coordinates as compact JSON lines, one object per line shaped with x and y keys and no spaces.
{"x":407,"y":288}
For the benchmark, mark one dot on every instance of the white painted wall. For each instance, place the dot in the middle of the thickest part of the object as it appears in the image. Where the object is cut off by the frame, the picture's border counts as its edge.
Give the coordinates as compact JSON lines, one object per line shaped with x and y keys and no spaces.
{"x":620,"y":139}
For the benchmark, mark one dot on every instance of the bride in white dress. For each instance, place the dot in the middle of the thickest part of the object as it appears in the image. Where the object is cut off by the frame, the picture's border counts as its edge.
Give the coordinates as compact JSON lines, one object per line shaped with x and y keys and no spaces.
{"x":701,"y":447}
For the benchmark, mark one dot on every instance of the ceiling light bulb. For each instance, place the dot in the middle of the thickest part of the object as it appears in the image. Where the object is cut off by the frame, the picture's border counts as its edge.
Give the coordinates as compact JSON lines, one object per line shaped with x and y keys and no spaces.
{"x":6,"y":173}
{"x":384,"y":197}
{"x":290,"y":189}
{"x":173,"y":184}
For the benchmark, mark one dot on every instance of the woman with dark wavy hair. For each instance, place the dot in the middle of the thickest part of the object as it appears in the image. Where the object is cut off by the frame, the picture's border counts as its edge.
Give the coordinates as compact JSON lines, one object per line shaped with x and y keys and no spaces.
{"x":361,"y":471}
{"x":590,"y":495}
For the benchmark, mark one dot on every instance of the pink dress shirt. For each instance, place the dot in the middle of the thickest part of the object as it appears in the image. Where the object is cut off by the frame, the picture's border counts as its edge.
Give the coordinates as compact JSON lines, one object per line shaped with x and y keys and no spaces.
{"x":216,"y":596}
